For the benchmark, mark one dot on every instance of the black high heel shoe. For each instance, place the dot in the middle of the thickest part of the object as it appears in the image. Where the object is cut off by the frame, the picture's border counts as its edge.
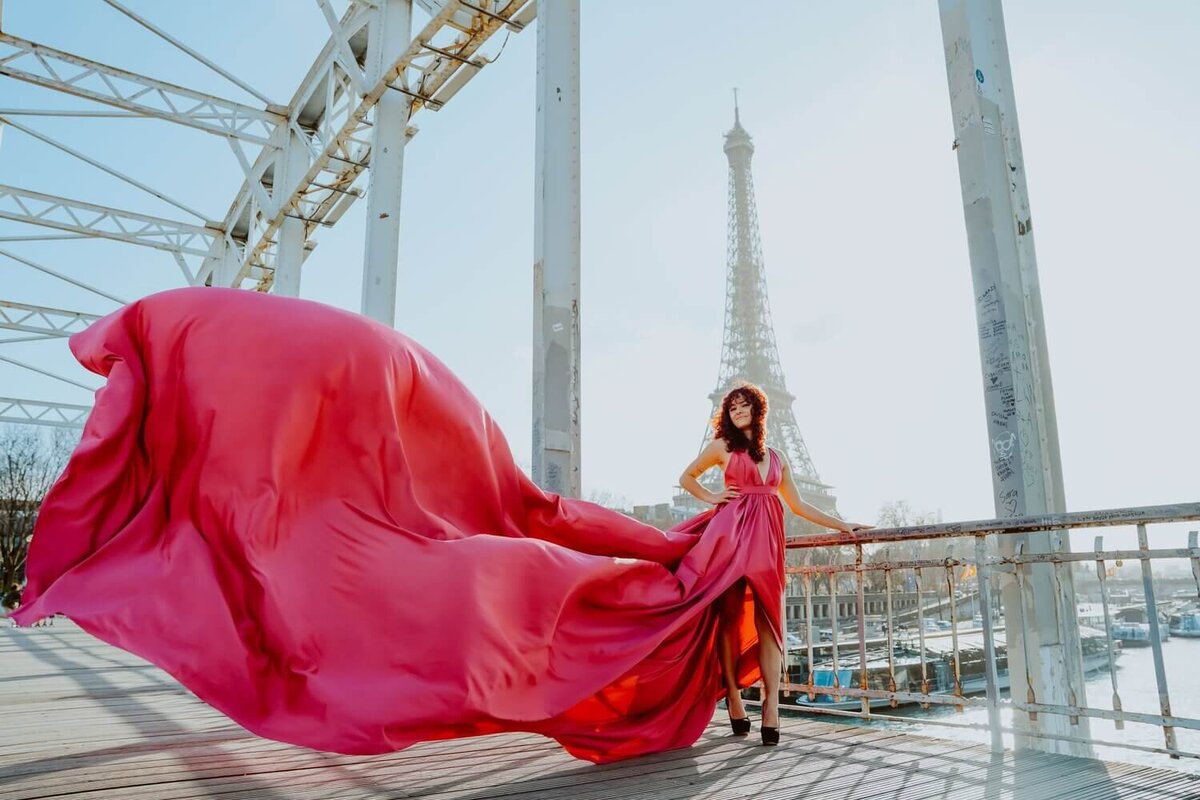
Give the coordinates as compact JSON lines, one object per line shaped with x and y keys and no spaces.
{"x":741,"y":727}
{"x":770,"y":736}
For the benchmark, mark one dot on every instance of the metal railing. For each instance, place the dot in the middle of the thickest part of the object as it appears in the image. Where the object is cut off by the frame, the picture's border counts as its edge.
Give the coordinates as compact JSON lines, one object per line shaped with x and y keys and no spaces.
{"x":933,"y":675}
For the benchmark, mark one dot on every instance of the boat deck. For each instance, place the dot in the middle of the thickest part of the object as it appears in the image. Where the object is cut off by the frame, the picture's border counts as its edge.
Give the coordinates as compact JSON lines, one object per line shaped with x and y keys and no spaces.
{"x":83,"y":720}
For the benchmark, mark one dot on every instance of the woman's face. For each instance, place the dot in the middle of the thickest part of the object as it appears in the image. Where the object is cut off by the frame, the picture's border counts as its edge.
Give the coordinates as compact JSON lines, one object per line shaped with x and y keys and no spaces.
{"x":741,"y":412}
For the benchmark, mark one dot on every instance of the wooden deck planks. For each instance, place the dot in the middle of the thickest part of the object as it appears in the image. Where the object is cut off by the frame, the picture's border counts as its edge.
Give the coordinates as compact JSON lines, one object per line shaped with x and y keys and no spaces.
{"x":83,"y":720}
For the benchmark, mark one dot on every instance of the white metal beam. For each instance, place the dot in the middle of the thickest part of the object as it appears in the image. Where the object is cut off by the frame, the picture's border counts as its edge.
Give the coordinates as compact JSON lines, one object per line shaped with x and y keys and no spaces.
{"x":34,"y":368}
{"x":101,"y":166}
{"x":33,"y":337}
{"x":43,"y":237}
{"x":1022,"y":433}
{"x":157,"y":31}
{"x":293,"y":231}
{"x":68,"y":279}
{"x":221,"y":268}
{"x":337,"y":37}
{"x":76,"y":216}
{"x":70,"y":112}
{"x":389,"y":39}
{"x":34,"y":412}
{"x":556,"y":267}
{"x":42,"y":320}
{"x":336,"y":122}
{"x":65,"y":72}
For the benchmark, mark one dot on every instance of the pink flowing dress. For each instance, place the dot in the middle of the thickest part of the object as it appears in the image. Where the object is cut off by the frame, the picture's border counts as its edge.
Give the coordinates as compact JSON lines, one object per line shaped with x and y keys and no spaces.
{"x":307,"y":519}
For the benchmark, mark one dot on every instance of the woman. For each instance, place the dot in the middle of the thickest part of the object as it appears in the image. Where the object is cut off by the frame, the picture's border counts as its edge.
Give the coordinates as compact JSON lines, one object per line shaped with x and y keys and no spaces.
{"x":311,"y":523}
{"x":755,"y":478}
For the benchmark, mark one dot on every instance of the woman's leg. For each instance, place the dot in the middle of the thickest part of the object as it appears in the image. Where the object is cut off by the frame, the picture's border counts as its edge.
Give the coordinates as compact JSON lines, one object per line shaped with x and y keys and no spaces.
{"x":727,"y":642}
{"x":770,"y":661}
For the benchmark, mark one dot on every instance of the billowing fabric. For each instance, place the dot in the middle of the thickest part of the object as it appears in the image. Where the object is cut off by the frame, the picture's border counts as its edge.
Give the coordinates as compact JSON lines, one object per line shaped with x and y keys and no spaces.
{"x":309,"y":521}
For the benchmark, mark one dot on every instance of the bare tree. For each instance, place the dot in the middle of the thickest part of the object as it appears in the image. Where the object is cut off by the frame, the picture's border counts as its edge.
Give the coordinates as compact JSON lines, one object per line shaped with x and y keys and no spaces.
{"x":603,"y":497}
{"x":898,"y":514}
{"x":30,"y":461}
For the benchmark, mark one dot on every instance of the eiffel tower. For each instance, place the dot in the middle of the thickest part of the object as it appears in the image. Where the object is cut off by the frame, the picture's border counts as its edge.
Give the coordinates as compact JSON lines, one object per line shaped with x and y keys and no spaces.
{"x":749,"y":351}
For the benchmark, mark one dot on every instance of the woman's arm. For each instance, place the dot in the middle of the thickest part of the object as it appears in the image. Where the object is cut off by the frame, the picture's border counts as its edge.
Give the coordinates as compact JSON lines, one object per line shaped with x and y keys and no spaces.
{"x":712,"y":455}
{"x":791,"y":496}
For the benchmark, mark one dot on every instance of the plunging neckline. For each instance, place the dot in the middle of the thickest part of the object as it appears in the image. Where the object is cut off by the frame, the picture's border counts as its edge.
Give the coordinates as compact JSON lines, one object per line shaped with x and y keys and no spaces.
{"x":762,"y":479}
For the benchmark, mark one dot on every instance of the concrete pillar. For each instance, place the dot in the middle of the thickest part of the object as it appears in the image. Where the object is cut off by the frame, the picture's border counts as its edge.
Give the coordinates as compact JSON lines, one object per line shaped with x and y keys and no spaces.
{"x":1022,"y":434}
{"x":390,"y":35}
{"x":556,"y":394}
{"x":290,"y":167}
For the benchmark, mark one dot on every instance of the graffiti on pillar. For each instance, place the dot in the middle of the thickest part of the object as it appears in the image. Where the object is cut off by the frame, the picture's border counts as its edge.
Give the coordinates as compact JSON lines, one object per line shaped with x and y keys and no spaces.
{"x":989,"y":301}
{"x":993,"y":340}
{"x":554,"y":477}
{"x":1009,"y":503}
{"x":1025,"y":411}
{"x":1000,"y":392}
{"x":1026,"y":424}
{"x":1004,"y":448}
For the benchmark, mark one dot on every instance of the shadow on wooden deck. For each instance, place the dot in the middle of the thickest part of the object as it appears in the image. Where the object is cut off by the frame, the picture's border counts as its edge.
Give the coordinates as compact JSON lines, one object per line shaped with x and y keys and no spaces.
{"x":81,"y":719}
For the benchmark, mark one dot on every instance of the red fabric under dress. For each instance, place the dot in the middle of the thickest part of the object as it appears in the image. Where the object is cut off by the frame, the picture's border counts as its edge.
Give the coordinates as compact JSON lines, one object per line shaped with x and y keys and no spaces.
{"x":309,"y":521}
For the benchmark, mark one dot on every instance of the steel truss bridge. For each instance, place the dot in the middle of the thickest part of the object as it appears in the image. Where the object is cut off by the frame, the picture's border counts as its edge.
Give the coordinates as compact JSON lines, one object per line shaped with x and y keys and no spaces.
{"x":341,"y":138}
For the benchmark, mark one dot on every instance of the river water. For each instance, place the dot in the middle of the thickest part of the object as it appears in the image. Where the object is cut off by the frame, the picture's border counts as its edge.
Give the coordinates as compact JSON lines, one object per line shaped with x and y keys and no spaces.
{"x":1138,"y":692}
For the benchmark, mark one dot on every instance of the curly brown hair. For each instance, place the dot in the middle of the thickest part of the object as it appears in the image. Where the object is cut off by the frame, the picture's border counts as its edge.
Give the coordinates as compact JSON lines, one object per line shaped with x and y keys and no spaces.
{"x":723,"y":427}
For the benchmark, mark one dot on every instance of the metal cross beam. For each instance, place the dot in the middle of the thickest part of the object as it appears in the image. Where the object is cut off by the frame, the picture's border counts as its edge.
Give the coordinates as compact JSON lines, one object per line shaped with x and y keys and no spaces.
{"x":302,"y":177}
{"x":34,"y":412}
{"x":51,"y":322}
{"x":333,"y":121}
{"x":101,"y":166}
{"x":76,"y":216}
{"x":65,"y":72}
{"x":61,"y":276}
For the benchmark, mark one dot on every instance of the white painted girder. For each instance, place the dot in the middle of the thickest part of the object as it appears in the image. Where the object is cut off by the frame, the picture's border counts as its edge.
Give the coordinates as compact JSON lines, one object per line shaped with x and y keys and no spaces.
{"x":77,"y":216}
{"x":328,"y":126}
{"x":557,"y":397}
{"x":335,"y":121}
{"x":34,"y":412}
{"x":389,"y":36}
{"x":157,"y":31}
{"x":66,"y":72}
{"x":42,"y":320}
{"x":56,"y":144}
{"x":20,"y":259}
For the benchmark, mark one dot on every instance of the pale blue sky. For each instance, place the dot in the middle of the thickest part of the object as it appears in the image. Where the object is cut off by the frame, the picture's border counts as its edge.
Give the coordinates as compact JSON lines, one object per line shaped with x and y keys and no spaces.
{"x":859,"y":202}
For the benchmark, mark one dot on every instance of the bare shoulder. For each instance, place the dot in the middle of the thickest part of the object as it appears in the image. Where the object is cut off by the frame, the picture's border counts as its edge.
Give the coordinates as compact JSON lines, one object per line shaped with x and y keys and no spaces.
{"x":717,"y":450}
{"x":783,"y":462}
{"x":715,"y":453}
